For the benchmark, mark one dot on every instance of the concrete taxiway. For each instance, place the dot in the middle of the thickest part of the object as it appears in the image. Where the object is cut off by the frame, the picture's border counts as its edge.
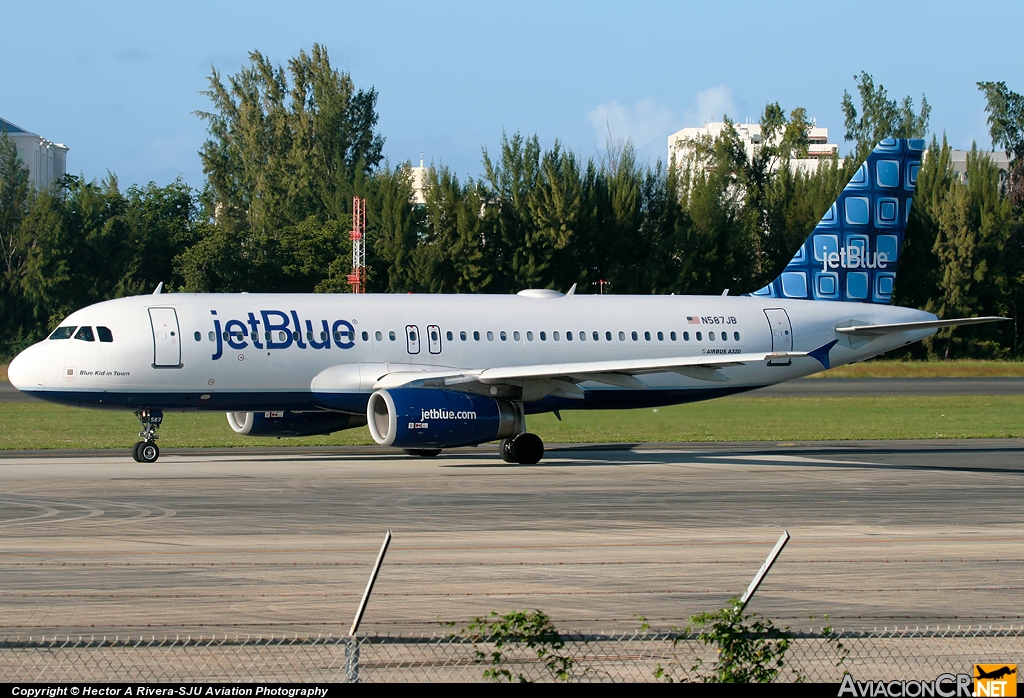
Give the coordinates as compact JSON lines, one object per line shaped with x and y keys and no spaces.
{"x":282,"y":540}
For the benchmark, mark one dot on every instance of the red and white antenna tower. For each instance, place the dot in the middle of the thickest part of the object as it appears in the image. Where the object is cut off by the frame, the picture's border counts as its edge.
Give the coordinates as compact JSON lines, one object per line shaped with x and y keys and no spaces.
{"x":357,"y":279}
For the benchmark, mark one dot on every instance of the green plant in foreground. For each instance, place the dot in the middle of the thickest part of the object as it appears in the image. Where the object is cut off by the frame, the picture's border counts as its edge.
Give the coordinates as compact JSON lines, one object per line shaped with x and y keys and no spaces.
{"x":534,"y":630}
{"x":750,"y":649}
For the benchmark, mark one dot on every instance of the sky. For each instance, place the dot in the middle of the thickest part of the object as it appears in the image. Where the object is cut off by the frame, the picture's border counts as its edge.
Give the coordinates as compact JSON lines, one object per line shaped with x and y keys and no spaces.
{"x":119,"y":82}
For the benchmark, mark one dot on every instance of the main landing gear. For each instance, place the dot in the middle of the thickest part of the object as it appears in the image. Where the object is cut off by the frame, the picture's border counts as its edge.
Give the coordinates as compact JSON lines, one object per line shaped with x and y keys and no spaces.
{"x":146,"y":451}
{"x":525,"y":449}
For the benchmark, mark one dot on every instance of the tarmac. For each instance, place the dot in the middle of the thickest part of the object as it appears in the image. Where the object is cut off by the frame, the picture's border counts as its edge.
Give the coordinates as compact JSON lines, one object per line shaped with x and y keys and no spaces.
{"x":600,"y":537}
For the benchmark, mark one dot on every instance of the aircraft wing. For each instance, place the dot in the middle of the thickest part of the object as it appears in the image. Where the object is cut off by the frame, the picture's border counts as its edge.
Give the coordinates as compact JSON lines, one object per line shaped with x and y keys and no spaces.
{"x":540,"y":380}
{"x":908,"y":326}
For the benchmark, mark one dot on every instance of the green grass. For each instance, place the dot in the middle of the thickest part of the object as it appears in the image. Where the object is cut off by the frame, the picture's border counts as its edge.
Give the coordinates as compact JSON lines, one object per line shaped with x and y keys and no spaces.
{"x":40,"y":426}
{"x":966,"y":368}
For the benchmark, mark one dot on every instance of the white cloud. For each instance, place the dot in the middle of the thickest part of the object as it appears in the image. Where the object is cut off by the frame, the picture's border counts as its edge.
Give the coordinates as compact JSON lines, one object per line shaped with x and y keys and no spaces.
{"x":711,"y":105}
{"x":642,"y":123}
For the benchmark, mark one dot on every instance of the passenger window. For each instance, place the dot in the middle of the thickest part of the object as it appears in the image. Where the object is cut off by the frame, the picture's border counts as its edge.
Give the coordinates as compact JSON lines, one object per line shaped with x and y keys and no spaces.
{"x":622,"y":336}
{"x":698,"y":336}
{"x":198,"y":337}
{"x":503,"y":335}
{"x":608,"y":336}
{"x":211,"y":336}
{"x":476,"y":335}
{"x":515,"y":336}
{"x":63,"y":333}
{"x":378,"y":335}
{"x":583,"y":336}
{"x":568,"y":336}
{"x":462,"y":335}
{"x":284,"y":336}
{"x":661,"y":337}
{"x":543,"y":337}
{"x":85,"y":334}
{"x":309,"y":335}
{"x":391,"y":335}
{"x":323,"y":336}
{"x":529,"y":336}
{"x":711,"y":336}
{"x":634,"y":335}
{"x":672,"y":335}
{"x":490,"y":336}
{"x":366,"y":336}
{"x":554,"y":336}
{"x":448,"y":334}
{"x":596,"y":336}
{"x":686,"y":336}
{"x":106,"y":335}
{"x":266,"y":336}
{"x":736,"y":336}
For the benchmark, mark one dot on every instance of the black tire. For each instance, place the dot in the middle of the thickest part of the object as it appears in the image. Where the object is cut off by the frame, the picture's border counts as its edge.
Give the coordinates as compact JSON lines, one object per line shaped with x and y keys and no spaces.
{"x":528,"y":449}
{"x":423,"y":452}
{"x":505,"y":451}
{"x":135,"y":452}
{"x":148,"y":452}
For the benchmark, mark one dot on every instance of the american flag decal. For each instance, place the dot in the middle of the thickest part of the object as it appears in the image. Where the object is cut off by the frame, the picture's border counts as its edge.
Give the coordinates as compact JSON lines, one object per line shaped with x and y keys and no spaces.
{"x":693,"y":320}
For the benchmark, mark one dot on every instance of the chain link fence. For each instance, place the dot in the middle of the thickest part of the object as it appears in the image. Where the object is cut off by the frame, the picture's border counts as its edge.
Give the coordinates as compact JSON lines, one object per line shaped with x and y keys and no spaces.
{"x":811,"y":656}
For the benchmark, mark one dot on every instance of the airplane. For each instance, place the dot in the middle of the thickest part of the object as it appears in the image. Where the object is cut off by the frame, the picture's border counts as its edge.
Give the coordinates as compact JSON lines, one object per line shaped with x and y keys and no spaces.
{"x":431,"y":372}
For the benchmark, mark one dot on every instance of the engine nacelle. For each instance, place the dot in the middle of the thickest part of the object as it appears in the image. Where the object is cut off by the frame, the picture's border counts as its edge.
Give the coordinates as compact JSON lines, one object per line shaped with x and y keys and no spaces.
{"x":292,"y":423}
{"x":436,"y":418}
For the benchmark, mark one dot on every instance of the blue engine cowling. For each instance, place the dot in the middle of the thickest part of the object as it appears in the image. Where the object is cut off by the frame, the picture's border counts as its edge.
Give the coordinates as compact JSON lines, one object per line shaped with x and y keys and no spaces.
{"x":292,"y":423}
{"x":436,"y":418}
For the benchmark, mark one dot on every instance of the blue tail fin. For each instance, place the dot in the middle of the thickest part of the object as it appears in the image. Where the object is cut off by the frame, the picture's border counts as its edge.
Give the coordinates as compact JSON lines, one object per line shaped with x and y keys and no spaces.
{"x":852,"y":254}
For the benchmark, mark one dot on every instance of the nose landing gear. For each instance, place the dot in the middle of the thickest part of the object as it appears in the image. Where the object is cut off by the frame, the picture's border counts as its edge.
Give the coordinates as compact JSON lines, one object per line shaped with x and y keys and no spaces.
{"x":146,"y":451}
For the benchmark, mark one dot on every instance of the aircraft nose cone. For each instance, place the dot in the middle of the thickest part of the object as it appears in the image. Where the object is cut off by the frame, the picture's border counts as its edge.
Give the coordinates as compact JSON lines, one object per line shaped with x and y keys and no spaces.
{"x":23,"y":373}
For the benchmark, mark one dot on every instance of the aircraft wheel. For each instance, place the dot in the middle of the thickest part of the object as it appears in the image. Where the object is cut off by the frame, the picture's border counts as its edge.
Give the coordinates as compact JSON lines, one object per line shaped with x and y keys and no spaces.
{"x":148,"y":452}
{"x":423,"y":452}
{"x":527,"y":449}
{"x":135,"y":452}
{"x":505,"y":450}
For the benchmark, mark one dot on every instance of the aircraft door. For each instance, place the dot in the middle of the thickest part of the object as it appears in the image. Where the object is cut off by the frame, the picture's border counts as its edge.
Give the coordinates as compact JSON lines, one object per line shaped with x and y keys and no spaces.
{"x":412,"y":338}
{"x":782,"y":333}
{"x":166,"y":338}
{"x":434,"y":339}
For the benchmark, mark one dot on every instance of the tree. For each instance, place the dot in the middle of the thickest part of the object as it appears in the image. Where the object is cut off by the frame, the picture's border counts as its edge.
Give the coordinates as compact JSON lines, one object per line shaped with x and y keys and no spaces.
{"x":973,"y":226}
{"x":880,"y":117}
{"x":1006,"y":125}
{"x":282,"y":150}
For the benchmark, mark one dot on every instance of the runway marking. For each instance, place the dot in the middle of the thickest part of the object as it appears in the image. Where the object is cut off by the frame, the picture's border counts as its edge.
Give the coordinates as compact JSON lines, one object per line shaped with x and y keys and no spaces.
{"x":796,"y":459}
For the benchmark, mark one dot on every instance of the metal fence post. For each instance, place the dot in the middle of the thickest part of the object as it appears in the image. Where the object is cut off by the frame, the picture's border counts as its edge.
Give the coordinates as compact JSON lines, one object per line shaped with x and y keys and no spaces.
{"x":756,"y":582}
{"x":351,"y":660}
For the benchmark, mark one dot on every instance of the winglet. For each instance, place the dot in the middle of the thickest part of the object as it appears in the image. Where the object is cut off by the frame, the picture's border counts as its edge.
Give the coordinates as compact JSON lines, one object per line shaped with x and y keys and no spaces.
{"x":821,"y":353}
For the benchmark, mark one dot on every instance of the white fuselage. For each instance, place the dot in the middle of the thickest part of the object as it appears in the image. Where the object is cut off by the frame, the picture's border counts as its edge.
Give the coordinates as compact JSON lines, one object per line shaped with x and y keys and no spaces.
{"x":170,"y":352}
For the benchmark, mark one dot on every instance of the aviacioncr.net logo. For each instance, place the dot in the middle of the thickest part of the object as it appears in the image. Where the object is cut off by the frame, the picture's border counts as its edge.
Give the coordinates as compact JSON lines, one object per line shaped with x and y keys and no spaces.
{"x":944,"y":686}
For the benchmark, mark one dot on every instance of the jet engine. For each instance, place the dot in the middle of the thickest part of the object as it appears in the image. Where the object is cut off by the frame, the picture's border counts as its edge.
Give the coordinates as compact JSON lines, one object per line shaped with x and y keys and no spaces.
{"x":427,"y":418}
{"x":292,"y":423}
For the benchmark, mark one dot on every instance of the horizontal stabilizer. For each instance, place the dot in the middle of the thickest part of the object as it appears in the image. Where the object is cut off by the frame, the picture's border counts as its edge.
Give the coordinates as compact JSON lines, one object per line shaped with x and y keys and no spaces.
{"x":910,"y":326}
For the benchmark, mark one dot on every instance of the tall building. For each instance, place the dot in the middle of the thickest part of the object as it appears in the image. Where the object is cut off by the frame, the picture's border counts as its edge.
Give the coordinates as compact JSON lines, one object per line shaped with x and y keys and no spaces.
{"x":419,"y":183}
{"x":46,"y":161}
{"x":680,"y":143}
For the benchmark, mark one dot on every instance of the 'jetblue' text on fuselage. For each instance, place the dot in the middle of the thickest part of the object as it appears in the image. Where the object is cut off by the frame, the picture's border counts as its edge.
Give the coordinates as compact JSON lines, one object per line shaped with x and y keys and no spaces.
{"x":280,"y":329}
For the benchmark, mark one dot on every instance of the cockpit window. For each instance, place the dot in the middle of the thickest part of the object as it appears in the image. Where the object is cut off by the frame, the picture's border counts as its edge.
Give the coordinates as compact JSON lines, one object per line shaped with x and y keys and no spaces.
{"x":85,"y":334}
{"x":105,"y":334}
{"x":63,"y":332}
